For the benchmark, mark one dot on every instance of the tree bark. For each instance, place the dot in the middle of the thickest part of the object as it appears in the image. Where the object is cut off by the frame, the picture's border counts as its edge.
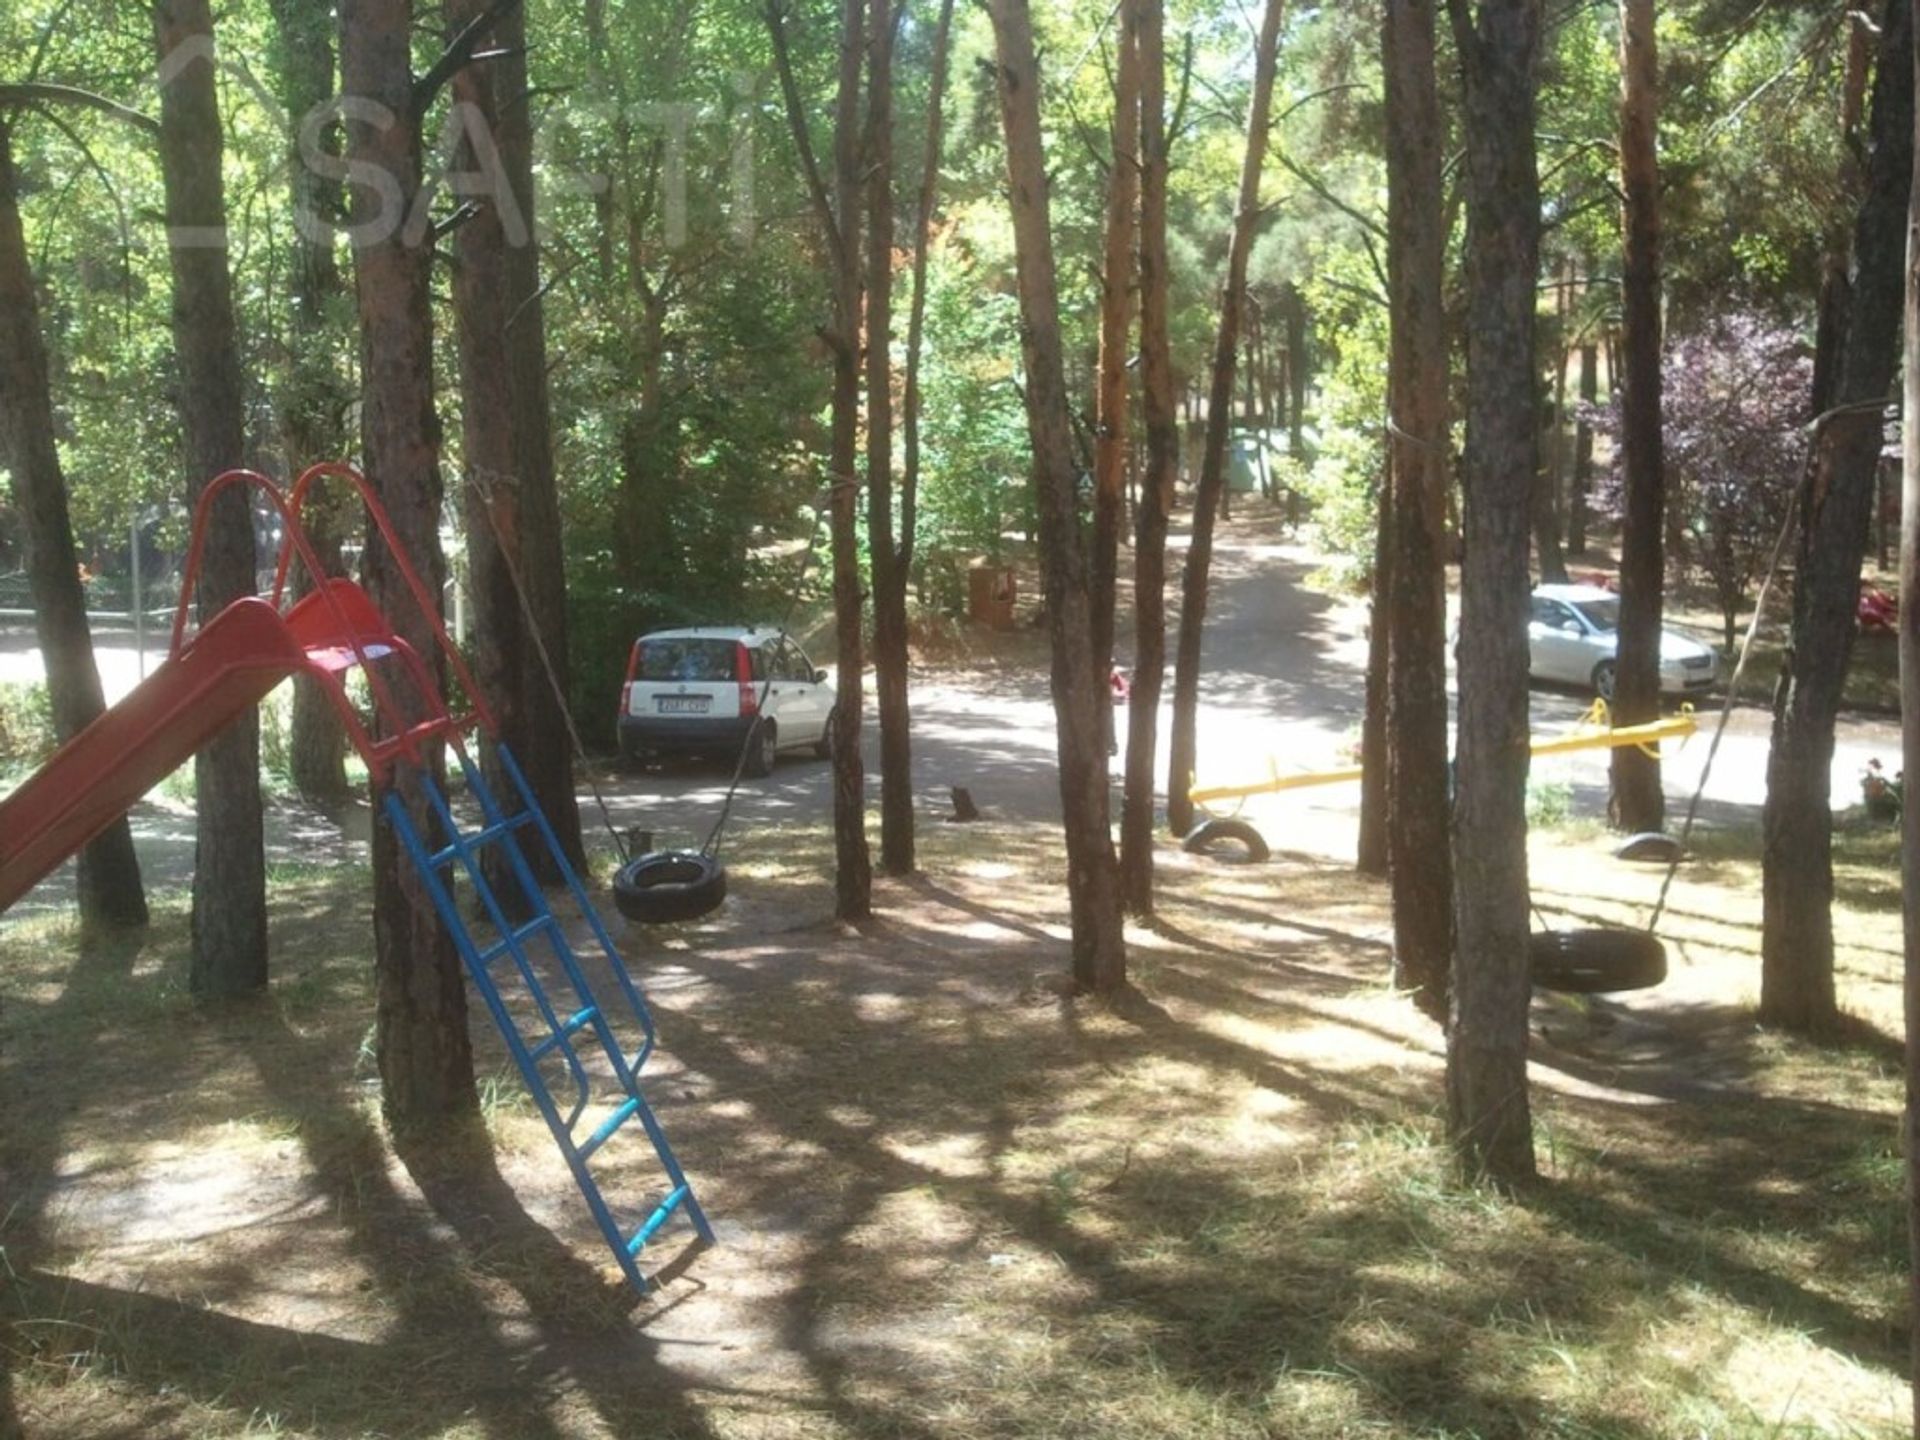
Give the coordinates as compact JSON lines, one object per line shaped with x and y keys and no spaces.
{"x":312,"y":401}
{"x":420,"y":1033}
{"x":489,"y":496}
{"x":1637,"y":801}
{"x":1910,"y":754}
{"x":1299,"y":370}
{"x":1099,"y":943}
{"x":838,"y":214}
{"x":108,"y":873}
{"x":229,"y":861}
{"x":506,"y":449}
{"x":1112,"y":435}
{"x":1418,"y":861}
{"x":1373,"y":855}
{"x":1146,"y":19}
{"x":1184,"y":742}
{"x":538,"y":746}
{"x":1487,"y":1110}
{"x":1835,"y":515}
{"x":890,"y":659}
{"x":1546,"y":488}
{"x":1582,"y":486}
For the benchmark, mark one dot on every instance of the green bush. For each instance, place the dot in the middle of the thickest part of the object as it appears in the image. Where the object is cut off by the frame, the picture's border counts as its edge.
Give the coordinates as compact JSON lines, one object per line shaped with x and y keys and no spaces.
{"x":26,"y":726}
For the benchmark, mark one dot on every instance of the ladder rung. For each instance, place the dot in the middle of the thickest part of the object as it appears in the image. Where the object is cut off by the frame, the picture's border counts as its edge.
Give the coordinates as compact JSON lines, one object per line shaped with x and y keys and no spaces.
{"x":657,"y":1219}
{"x":480,"y":838}
{"x":519,"y":937}
{"x":572,"y":1026}
{"x":624,"y":1112}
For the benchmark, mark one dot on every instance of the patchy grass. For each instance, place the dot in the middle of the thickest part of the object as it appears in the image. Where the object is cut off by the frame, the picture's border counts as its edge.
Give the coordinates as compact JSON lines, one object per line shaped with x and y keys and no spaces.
{"x":952,"y":1203}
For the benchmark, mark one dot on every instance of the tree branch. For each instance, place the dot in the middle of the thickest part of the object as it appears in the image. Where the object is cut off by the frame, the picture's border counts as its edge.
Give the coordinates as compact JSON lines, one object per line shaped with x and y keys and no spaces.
{"x":797,"y":122}
{"x":458,"y":54}
{"x":39,"y":92}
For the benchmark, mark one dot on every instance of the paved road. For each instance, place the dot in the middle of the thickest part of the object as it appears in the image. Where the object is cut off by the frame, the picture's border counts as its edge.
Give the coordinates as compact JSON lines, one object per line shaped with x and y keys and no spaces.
{"x":1284,"y":686}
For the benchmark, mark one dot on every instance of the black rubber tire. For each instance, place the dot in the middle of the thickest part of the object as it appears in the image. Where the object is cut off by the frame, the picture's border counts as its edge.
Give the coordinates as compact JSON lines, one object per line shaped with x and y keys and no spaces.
{"x":1603,"y":675}
{"x":1595,"y":962}
{"x":1654,"y":847}
{"x":823,"y":747}
{"x":666,"y":887}
{"x":763,"y":749}
{"x":1208,"y":833}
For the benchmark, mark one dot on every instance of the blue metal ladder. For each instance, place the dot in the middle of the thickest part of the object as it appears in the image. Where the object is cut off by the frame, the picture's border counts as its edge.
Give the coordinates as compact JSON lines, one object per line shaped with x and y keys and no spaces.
{"x":586,"y":1013}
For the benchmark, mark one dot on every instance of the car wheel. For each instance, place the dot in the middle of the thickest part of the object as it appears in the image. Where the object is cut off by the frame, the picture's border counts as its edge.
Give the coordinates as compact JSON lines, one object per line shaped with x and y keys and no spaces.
{"x":1603,"y":674}
{"x":823,"y":747}
{"x":763,"y":749}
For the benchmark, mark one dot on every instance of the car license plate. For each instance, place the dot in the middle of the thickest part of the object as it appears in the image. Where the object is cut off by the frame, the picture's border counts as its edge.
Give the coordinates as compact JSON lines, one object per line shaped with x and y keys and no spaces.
{"x":685,"y":704}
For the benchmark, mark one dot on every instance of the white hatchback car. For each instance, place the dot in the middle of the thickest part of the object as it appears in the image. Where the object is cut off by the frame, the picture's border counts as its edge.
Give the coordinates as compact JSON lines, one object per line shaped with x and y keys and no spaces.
{"x":1575,"y":632}
{"x":710,"y":688}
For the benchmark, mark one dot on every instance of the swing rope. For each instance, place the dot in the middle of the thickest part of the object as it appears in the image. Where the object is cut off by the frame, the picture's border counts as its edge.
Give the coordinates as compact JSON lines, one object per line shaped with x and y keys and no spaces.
{"x":710,"y":848}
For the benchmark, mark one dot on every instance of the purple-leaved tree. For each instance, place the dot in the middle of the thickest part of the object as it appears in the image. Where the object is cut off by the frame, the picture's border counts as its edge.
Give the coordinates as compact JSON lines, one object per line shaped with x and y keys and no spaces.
{"x":1734,"y":404}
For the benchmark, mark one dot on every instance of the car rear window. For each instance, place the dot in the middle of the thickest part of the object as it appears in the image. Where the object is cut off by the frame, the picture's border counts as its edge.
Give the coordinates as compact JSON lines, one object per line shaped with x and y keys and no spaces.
{"x":686,"y":659}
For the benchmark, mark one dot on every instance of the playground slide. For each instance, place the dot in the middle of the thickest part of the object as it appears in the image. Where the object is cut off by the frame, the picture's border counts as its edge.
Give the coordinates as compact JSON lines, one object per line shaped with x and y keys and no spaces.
{"x":97,"y":776}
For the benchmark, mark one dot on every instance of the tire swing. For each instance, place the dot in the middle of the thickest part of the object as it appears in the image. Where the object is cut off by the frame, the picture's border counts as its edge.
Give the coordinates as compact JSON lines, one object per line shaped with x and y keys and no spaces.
{"x":657,"y":887}
{"x":1202,"y":839}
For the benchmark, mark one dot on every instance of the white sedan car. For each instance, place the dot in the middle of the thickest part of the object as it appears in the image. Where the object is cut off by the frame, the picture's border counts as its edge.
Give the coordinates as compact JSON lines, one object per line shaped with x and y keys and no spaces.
{"x":1576,"y":630}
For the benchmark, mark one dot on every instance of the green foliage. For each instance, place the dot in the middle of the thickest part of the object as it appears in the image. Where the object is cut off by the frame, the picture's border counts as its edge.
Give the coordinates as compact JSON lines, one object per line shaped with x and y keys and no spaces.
{"x":974,"y":455}
{"x":26,"y":726}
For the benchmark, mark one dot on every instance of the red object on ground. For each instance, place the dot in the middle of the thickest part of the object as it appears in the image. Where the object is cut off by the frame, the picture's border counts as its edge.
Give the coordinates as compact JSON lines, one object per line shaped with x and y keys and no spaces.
{"x":215,"y":675}
{"x":1877,"y":609}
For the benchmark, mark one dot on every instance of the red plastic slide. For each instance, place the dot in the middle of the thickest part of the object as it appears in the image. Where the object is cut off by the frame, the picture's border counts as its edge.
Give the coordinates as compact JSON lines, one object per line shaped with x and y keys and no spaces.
{"x":89,"y":783}
{"x":225,"y":669}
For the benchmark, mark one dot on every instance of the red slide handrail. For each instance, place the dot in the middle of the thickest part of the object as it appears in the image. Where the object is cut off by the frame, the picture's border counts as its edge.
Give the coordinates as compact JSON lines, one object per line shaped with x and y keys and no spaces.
{"x":295,"y":541}
{"x":429,"y":606}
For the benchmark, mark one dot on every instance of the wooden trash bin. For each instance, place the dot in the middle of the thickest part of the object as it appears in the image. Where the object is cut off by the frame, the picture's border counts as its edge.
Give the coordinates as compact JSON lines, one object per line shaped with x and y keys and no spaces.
{"x":991,"y":592}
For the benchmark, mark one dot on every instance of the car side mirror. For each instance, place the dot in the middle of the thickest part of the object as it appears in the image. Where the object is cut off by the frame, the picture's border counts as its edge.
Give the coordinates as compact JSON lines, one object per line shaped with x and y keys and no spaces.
{"x":1571,"y":627}
{"x":819,"y":677}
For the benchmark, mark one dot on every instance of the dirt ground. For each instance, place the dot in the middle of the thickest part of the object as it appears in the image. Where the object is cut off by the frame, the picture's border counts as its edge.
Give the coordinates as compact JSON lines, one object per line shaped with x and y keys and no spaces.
{"x":950,"y":1202}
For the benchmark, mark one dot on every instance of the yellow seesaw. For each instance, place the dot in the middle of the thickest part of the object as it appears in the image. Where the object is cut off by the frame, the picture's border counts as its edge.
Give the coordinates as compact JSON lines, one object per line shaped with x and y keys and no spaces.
{"x":1594,"y":733}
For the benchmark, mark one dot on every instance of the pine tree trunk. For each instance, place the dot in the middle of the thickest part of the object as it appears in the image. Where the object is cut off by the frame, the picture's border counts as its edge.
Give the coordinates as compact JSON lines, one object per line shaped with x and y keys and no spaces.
{"x":1112,"y":433}
{"x":1099,"y":944}
{"x":1910,"y":760}
{"x":1546,"y":489}
{"x":1299,"y":370}
{"x":1796,"y":947}
{"x":1637,"y":801}
{"x":108,"y":873}
{"x":229,"y":861}
{"x":890,"y":656}
{"x":1373,"y":857}
{"x":1146,"y":19}
{"x":489,"y":495}
{"x":541,"y":745}
{"x":1184,"y":741}
{"x":312,"y":401}
{"x":1416,"y":739}
{"x":1488,"y":1117}
{"x":1582,"y":486}
{"x":420,"y":1035}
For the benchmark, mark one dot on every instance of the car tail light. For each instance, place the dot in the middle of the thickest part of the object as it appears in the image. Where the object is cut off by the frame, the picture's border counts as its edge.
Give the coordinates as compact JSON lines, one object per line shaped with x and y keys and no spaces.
{"x":743,"y":671}
{"x":626,"y":689}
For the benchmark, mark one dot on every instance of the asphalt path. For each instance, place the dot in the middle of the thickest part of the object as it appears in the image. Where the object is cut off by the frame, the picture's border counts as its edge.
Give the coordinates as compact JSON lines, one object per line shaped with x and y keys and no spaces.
{"x":1283,"y":691}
